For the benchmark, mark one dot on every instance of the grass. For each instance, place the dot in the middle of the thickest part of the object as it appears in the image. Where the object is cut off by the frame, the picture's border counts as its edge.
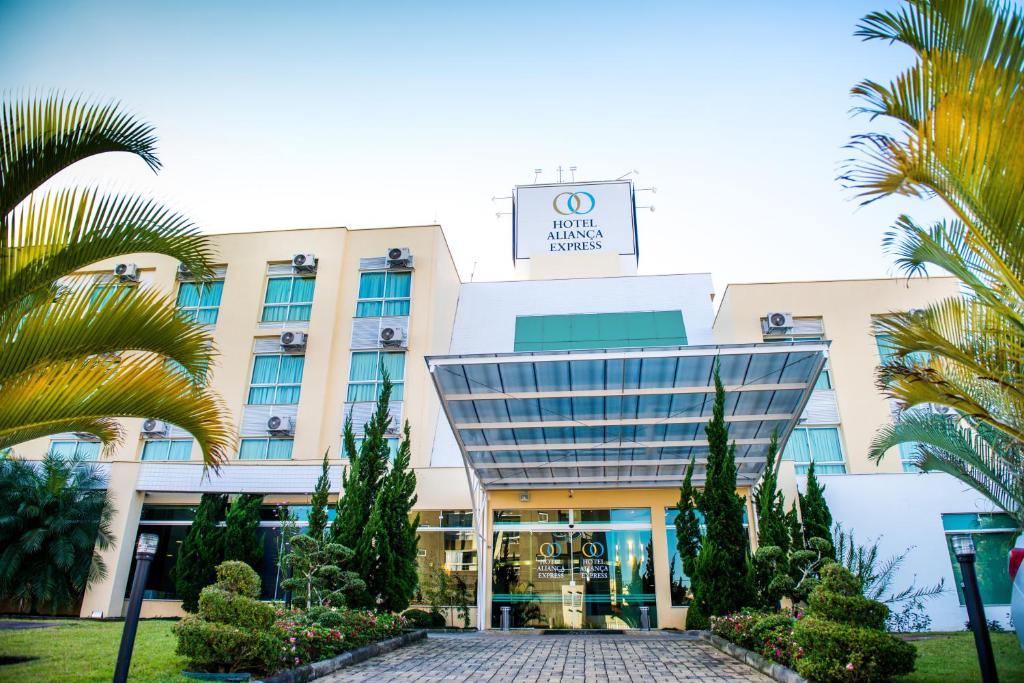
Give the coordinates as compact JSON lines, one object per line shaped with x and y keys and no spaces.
{"x":949,"y":657}
{"x":86,"y":651}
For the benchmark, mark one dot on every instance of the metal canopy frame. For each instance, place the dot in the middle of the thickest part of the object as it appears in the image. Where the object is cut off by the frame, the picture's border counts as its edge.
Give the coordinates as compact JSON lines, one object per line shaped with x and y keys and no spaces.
{"x":619,"y":418}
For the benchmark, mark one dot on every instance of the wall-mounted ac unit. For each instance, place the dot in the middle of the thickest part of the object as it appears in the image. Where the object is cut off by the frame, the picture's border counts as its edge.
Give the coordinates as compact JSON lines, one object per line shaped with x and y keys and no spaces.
{"x":777,"y":321}
{"x":392,"y":336}
{"x":183,"y":272}
{"x":281,"y":424}
{"x":154,"y":429}
{"x":304,"y":263}
{"x":399,"y":257}
{"x":126,"y":272}
{"x":293,"y":340}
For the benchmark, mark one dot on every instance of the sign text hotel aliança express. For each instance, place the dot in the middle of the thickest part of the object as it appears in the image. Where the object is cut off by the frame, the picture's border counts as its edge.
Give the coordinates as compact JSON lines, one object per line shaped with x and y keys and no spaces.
{"x":574,"y":217}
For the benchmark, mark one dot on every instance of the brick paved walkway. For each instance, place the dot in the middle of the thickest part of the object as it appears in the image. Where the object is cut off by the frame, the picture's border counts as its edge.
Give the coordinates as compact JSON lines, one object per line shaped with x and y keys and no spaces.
{"x":654,"y":658}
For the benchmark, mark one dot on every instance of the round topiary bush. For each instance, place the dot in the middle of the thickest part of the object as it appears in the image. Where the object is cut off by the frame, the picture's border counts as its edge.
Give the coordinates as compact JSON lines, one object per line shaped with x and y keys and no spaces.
{"x":233,"y":631}
{"x":842,"y":636}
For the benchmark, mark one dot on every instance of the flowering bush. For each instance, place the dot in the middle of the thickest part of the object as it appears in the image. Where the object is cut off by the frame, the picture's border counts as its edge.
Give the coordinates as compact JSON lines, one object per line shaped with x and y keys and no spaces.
{"x":770,"y":634}
{"x":324,"y":633}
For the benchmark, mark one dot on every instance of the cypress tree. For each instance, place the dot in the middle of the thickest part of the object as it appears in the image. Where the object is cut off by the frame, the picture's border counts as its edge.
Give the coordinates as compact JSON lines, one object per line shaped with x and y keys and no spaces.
{"x":242,"y":539}
{"x":773,"y":529}
{"x":394,"y":580}
{"x":816,"y":515}
{"x":687,"y":523}
{"x":796,"y":529}
{"x":721,"y":579}
{"x":201,"y":551}
{"x":362,"y":479}
{"x":318,"y":511}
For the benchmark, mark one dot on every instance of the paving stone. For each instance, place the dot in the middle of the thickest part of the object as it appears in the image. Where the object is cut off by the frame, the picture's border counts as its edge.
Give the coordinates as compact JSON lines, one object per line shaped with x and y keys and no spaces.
{"x":513,"y":658}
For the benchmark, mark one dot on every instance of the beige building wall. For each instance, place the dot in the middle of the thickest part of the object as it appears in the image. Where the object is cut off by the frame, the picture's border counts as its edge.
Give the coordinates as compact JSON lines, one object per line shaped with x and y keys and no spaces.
{"x":320,"y":410}
{"x":846,"y":308}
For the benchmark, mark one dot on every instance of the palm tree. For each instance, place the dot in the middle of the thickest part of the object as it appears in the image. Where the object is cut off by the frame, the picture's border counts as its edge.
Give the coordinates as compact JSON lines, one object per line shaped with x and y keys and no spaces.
{"x":959,"y":121}
{"x":76,"y":355}
{"x":54,"y":521}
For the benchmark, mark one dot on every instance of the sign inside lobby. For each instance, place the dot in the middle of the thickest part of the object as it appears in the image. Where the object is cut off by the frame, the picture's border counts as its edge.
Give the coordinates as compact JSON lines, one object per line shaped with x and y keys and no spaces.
{"x":574,"y":218}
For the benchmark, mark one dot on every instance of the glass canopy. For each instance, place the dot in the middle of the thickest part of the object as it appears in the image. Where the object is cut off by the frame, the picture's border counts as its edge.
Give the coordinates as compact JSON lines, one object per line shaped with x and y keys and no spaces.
{"x":619,"y":418}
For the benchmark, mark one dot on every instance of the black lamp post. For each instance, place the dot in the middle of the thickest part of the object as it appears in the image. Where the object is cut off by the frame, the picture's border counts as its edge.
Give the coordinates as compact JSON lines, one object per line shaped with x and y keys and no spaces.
{"x":963,"y":546}
{"x":145,"y":550}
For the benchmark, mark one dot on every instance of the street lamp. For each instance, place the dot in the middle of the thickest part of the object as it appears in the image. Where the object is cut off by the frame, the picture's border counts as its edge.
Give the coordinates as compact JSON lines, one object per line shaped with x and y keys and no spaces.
{"x":145,"y":550}
{"x":963,"y":547}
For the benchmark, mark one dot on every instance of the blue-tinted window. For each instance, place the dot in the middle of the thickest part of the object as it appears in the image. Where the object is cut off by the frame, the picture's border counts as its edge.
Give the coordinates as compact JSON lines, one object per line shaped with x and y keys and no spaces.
{"x":276,"y":379}
{"x":384,"y":293}
{"x":265,"y":449}
{"x":365,"y":374}
{"x":200,"y":301}
{"x":288,"y":298}
{"x":167,"y":449}
{"x":820,"y":444}
{"x":83,"y":450}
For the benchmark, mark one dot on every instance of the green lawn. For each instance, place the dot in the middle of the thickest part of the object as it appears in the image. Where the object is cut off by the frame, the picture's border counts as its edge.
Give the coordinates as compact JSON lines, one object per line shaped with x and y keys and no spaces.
{"x":951,"y":657}
{"x":80,"y":651}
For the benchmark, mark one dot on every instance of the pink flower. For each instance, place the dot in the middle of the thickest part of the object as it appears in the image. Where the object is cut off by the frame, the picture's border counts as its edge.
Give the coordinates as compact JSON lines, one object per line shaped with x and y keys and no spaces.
{"x":849,"y":667}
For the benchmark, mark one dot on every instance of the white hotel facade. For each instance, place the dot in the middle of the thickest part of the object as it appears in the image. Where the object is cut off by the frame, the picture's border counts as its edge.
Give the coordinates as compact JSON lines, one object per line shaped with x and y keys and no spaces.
{"x":551,"y":415}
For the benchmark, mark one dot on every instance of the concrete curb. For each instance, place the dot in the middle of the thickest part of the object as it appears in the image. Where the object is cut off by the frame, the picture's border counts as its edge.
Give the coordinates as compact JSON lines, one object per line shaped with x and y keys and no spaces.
{"x":326,"y":666}
{"x":774,"y":670}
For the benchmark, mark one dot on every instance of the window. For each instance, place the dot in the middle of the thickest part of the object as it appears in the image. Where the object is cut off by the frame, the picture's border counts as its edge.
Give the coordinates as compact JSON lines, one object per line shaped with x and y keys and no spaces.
{"x":288,"y":298}
{"x":825,"y":378}
{"x":200,"y":301}
{"x":679,"y":582}
{"x":447,"y":542}
{"x":600,"y":331}
{"x":820,"y":444}
{"x":107,"y":291}
{"x":887,"y":351}
{"x":276,"y":379}
{"x":167,"y":449}
{"x":383,"y":293}
{"x":909,"y":453}
{"x":392,"y":447}
{"x":994,"y":536}
{"x":364,"y":376}
{"x":265,"y":449}
{"x":83,"y":450}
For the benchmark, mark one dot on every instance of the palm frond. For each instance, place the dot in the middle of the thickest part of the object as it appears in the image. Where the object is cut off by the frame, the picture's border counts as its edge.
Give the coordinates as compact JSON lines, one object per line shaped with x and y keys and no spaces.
{"x":41,"y":137}
{"x":81,"y":324}
{"x":138,"y":385}
{"x":65,"y":231}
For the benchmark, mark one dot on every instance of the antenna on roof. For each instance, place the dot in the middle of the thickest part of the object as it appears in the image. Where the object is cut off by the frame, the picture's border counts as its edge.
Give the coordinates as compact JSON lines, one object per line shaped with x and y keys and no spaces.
{"x":572,"y":169}
{"x":559,"y":169}
{"x":623,"y":176}
{"x":536,"y":174}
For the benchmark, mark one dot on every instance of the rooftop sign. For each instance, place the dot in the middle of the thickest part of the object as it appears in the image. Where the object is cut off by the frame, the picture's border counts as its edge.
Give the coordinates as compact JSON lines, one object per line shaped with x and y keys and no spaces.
{"x":572,"y":218}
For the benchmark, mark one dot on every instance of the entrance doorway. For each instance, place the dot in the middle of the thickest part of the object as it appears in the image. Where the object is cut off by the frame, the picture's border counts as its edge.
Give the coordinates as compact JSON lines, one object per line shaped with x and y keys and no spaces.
{"x":574,"y":569}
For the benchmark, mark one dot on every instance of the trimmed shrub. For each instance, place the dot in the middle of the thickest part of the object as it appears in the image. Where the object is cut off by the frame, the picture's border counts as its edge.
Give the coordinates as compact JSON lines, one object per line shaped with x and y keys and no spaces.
{"x":421,"y":618}
{"x":238,"y":577}
{"x":307,"y":641}
{"x":223,"y":648}
{"x":233,"y":631}
{"x":841,"y":652}
{"x":221,"y":607}
{"x":842,"y":634}
{"x":770,"y":634}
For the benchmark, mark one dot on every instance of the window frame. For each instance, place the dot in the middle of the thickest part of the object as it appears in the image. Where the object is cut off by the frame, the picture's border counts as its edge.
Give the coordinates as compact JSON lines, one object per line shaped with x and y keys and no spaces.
{"x":800,"y":468}
{"x":78,"y":443}
{"x":826,"y":369}
{"x":266,"y":448}
{"x":192,"y":312}
{"x":170,"y":444}
{"x":290,"y":303}
{"x":399,"y":384}
{"x":277,"y":385}
{"x":384,"y":300}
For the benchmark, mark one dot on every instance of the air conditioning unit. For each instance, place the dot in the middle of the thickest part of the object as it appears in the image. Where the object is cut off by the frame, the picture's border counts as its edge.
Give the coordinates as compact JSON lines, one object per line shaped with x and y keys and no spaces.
{"x":399,"y":257}
{"x":152,"y":429}
{"x":281,"y":424}
{"x":183,"y":272}
{"x":126,"y":272}
{"x":779,"y":322}
{"x":293,"y":340}
{"x":945,"y":411}
{"x":304,"y":263}
{"x":392,"y":336}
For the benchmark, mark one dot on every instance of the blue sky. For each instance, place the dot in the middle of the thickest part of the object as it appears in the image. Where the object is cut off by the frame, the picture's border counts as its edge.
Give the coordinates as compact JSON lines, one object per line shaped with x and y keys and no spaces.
{"x":274,"y":115}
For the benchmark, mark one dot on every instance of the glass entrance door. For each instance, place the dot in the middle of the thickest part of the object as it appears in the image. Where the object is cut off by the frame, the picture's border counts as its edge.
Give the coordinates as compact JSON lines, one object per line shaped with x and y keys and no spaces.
{"x":573,"y":572}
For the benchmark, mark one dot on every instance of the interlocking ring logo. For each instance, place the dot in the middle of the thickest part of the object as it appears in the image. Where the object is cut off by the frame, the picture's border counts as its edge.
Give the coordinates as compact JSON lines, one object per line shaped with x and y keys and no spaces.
{"x":574,"y":203}
{"x":550,"y":549}
{"x":592,"y":549}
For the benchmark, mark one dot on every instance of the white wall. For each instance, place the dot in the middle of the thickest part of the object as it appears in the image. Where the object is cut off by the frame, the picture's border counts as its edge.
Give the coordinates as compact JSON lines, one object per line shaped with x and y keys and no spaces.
{"x":904,"y":510}
{"x":486,"y":317}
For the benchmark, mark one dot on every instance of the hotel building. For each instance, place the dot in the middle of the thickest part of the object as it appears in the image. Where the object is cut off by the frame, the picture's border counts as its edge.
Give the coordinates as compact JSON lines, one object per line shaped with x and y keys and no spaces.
{"x":552,"y":415}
